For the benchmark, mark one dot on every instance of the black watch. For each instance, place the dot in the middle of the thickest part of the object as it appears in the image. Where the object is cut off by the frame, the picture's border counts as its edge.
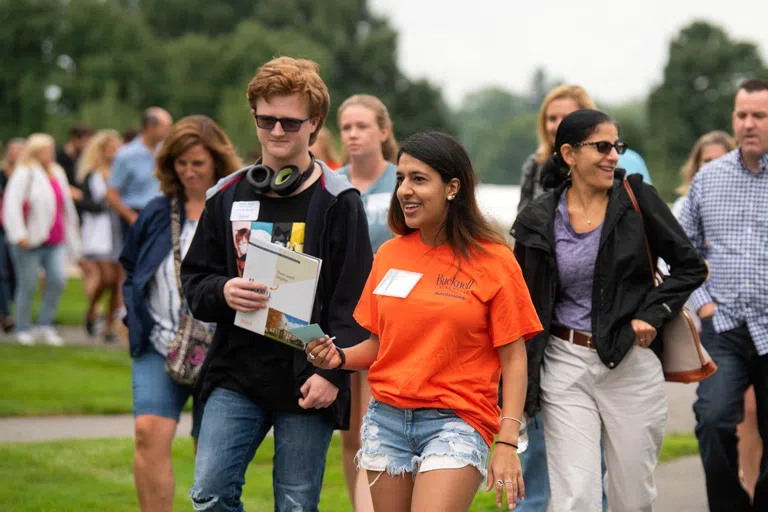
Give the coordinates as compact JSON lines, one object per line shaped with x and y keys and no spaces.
{"x":343,"y":359}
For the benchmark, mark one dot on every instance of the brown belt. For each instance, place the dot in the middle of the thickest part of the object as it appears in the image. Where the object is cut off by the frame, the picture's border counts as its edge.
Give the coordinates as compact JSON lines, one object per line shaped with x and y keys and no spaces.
{"x":578,"y":338}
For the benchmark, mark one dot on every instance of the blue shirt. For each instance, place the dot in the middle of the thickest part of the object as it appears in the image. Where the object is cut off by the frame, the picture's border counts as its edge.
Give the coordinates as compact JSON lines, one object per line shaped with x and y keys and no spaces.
{"x":376,"y":201}
{"x":633,"y":163}
{"x":726,"y":218}
{"x":133,"y":174}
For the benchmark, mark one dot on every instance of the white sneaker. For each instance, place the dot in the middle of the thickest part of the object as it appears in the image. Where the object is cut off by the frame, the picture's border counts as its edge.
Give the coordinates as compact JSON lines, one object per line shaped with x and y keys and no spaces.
{"x":25,"y":338}
{"x":50,"y":336}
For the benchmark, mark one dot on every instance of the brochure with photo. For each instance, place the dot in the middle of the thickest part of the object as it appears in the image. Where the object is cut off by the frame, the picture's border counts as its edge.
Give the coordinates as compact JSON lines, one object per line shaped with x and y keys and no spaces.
{"x":291,"y":281}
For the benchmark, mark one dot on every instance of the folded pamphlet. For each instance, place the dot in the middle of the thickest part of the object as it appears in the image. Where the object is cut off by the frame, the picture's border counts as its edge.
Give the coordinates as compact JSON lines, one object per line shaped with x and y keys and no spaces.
{"x":291,"y":279}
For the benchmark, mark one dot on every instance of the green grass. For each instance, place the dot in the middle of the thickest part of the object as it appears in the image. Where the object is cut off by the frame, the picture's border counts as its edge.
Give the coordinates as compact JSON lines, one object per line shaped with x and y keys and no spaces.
{"x":96,"y":475}
{"x":43,"y":380}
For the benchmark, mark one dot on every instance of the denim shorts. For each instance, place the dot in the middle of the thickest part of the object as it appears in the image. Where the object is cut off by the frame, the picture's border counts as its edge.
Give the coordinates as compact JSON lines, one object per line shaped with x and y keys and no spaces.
{"x":401,"y":441}
{"x":155,"y":393}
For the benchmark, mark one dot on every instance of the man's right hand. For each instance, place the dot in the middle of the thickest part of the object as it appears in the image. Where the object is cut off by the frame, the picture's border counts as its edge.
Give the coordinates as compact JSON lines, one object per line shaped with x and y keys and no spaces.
{"x":242,"y":295}
{"x":707,"y":310}
{"x":24,"y":243}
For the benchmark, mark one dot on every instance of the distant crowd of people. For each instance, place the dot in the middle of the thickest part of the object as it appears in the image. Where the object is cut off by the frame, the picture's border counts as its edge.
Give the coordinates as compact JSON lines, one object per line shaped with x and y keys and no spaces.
{"x":444,"y":344}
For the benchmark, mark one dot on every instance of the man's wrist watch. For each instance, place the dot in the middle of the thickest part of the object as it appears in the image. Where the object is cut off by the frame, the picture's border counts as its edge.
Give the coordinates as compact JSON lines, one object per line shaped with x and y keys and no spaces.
{"x":343,"y":359}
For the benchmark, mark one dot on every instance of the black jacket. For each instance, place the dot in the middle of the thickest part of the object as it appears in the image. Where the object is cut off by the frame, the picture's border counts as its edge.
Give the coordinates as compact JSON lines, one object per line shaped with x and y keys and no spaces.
{"x":336,"y":232}
{"x":623,"y":286}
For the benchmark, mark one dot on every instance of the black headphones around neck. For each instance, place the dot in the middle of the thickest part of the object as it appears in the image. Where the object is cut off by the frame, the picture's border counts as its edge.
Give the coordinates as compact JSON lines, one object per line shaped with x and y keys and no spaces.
{"x":283,"y":182}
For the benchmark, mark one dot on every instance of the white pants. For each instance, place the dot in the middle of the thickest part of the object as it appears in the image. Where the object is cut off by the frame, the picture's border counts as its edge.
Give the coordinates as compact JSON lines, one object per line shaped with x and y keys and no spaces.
{"x":583,"y":401}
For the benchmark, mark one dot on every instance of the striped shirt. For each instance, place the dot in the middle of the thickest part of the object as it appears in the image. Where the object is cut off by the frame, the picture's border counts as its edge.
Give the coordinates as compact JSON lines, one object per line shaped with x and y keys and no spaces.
{"x":726,"y":218}
{"x":163,"y":299}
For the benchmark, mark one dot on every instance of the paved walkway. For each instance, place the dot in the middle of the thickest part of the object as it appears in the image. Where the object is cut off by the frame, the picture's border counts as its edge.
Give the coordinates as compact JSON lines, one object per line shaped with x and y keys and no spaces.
{"x":680,"y":483}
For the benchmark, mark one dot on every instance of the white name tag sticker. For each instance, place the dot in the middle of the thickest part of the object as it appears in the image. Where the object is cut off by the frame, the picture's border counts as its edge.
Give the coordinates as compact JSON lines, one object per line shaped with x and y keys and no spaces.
{"x":397,"y":283}
{"x":245,"y":210}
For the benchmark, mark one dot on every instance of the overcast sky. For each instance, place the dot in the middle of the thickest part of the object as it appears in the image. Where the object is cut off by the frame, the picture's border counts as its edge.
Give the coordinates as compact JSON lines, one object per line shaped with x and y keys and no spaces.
{"x":616,"y":50}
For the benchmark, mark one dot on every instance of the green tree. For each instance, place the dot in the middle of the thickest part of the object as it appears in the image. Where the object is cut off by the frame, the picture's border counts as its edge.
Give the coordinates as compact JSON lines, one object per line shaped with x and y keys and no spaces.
{"x":27,"y":50}
{"x":498,"y":129}
{"x":702,"y":74}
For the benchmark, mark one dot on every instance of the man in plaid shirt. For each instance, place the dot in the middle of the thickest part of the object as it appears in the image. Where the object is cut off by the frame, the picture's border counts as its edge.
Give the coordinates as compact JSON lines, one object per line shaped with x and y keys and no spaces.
{"x":726,"y":218}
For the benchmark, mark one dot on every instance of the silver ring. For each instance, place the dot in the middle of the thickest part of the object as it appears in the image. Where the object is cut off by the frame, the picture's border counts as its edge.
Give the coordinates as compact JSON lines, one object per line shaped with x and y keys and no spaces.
{"x":499,"y":483}
{"x":311,"y":357}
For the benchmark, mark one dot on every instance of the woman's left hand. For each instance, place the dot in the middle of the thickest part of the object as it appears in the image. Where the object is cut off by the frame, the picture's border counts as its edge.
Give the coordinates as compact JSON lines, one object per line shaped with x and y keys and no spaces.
{"x":504,"y":473}
{"x":645,"y":333}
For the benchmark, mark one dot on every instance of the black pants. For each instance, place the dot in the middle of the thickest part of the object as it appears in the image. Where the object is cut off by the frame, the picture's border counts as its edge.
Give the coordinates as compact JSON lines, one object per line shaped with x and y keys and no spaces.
{"x":720,"y":407}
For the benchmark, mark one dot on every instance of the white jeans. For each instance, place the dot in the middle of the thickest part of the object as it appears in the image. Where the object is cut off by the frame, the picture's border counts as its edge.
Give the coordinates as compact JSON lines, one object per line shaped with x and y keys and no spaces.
{"x":583,"y":401}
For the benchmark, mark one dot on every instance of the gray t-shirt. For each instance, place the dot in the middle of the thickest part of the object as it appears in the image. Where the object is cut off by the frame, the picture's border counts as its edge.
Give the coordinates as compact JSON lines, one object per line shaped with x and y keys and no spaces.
{"x":376,"y":202}
{"x":576,"y":254}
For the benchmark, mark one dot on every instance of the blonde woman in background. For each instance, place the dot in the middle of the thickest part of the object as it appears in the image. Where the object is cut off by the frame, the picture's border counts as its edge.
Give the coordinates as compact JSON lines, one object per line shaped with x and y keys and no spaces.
{"x":100,"y":229}
{"x":710,"y":146}
{"x":324,"y":150}
{"x":370,"y":149}
{"x":41,"y":225}
{"x":10,"y":157}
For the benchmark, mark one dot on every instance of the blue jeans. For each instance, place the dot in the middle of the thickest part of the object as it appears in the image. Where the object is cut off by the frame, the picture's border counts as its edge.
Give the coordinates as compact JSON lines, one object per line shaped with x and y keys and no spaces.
{"x":155,"y":393}
{"x":5,"y":289}
{"x":233,"y":428}
{"x":27,"y":263}
{"x":535,"y":475}
{"x":720,"y":407}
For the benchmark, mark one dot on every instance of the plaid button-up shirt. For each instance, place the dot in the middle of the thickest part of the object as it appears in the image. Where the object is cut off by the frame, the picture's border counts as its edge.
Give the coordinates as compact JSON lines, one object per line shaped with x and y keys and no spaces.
{"x":726,"y":218}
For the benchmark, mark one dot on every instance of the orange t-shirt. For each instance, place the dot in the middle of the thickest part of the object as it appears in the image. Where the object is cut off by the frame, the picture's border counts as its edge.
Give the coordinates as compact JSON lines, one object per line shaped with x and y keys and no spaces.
{"x":438,"y":346}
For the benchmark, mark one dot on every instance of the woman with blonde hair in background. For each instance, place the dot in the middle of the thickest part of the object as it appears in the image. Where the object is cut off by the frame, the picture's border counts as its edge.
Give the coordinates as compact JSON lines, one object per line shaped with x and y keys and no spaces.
{"x":100,"y":228}
{"x":712,"y":146}
{"x":324,"y":150}
{"x":41,"y":224}
{"x":10,"y":157}
{"x":196,"y":154}
{"x":370,"y":147}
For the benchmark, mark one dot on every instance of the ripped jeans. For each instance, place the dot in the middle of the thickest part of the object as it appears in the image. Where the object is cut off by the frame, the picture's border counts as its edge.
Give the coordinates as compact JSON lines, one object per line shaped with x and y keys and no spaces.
{"x":401,"y":441}
{"x":233,"y":428}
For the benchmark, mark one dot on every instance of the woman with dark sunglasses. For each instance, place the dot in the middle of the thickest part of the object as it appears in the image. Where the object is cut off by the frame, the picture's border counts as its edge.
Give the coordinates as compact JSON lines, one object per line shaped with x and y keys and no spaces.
{"x":594,"y":371}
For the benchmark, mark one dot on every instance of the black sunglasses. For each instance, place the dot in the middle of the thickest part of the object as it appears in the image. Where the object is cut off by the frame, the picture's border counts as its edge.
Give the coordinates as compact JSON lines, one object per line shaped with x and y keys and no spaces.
{"x":604,"y":147}
{"x":289,"y":124}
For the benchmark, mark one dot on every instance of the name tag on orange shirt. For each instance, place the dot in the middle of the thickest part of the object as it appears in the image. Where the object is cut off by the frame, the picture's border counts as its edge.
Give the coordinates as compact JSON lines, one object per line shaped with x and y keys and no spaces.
{"x":397,"y":283}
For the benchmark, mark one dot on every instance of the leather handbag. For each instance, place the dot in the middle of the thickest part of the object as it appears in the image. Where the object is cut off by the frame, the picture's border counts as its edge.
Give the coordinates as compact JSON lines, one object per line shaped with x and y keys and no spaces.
{"x":188,"y":348}
{"x":684,"y":359}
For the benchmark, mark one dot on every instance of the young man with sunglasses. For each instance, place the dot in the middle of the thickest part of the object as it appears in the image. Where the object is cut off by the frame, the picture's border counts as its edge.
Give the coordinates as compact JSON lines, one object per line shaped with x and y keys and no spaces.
{"x":251,"y":383}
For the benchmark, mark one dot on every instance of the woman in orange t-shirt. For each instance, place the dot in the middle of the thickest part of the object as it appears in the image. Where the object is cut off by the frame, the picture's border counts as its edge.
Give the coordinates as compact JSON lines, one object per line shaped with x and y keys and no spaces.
{"x":447,"y":307}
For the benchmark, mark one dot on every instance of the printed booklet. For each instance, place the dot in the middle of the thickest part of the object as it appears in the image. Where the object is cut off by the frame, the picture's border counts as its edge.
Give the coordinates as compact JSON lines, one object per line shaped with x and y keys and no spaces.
{"x":291,"y":280}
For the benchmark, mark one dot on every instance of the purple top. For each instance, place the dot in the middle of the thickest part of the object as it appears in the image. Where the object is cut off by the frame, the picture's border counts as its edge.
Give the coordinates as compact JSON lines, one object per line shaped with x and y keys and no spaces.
{"x":576,"y":254}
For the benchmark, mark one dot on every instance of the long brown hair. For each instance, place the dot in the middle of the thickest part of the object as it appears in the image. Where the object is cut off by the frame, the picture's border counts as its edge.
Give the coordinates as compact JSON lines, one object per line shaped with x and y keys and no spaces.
{"x":374,"y":104}
{"x":189,"y":132}
{"x":465,"y":226}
